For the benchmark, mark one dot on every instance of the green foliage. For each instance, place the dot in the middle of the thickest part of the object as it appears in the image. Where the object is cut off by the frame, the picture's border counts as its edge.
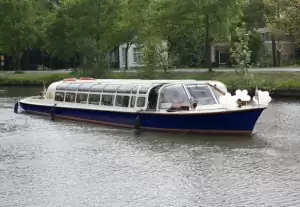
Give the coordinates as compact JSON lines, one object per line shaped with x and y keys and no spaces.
{"x":87,"y":28}
{"x":19,"y":26}
{"x":254,"y":14}
{"x":240,"y":50}
{"x":23,"y":79}
{"x":257,"y":48}
{"x":267,"y":81}
{"x":90,"y":29}
{"x":191,"y":27}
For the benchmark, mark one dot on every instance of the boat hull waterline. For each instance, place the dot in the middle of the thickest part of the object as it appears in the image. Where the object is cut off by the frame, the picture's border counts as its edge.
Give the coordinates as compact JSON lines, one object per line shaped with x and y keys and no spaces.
{"x":222,"y":122}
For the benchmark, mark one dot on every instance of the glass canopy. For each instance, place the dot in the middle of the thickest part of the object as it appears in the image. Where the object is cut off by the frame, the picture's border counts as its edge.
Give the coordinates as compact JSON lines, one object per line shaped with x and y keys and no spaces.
{"x":173,"y":95}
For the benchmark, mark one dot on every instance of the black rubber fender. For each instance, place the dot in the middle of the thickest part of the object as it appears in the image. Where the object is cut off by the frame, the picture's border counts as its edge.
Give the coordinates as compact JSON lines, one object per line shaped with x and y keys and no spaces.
{"x":52,"y":113}
{"x":16,"y":107}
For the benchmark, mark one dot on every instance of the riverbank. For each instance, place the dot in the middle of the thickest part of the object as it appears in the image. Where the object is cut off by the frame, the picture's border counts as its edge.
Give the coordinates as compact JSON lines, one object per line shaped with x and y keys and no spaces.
{"x":283,"y":84}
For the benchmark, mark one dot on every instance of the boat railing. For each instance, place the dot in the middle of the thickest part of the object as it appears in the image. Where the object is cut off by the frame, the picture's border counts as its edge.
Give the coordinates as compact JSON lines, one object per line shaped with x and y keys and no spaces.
{"x":36,"y":97}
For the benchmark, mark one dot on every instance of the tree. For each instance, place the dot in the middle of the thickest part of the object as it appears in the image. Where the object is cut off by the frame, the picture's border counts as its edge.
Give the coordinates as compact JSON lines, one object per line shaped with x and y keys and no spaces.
{"x":240,"y":50}
{"x":87,"y":28}
{"x":254,"y":14}
{"x":275,"y":16}
{"x":210,"y":19}
{"x":19,"y":27}
{"x":185,"y":35}
{"x":131,"y":21}
{"x":289,"y":20}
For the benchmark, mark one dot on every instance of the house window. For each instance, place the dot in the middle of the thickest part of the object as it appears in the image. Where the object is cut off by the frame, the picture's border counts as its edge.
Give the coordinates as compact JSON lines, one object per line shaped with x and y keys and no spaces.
{"x":137,"y":55}
{"x":112,"y":56}
{"x":262,"y":37}
{"x":124,"y":55}
{"x":289,"y":38}
{"x":267,"y":36}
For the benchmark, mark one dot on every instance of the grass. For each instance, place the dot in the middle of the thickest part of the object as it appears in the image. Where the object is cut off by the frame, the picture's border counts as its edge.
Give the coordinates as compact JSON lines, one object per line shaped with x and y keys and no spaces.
{"x":30,"y":79}
{"x":269,"y":81}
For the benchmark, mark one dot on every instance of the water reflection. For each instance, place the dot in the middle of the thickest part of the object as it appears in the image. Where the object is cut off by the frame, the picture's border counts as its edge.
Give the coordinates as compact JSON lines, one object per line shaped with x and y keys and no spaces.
{"x":65,"y":163}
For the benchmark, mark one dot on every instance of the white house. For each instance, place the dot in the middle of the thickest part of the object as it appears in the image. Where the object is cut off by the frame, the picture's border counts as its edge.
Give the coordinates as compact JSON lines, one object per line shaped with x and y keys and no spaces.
{"x":134,"y":56}
{"x":286,"y":45}
{"x":220,"y":53}
{"x":118,"y":56}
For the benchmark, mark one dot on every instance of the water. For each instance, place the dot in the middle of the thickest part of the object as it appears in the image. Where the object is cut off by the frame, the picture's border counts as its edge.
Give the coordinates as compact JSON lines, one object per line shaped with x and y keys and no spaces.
{"x":70,"y":164}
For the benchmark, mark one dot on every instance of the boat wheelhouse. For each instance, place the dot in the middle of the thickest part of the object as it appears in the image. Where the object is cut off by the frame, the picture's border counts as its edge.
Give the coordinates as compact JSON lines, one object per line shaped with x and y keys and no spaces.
{"x":164,"y":105}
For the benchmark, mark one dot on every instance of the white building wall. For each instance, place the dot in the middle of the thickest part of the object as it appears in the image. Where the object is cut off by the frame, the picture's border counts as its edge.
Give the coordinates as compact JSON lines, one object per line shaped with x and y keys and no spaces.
{"x":285,"y":45}
{"x":135,"y":51}
{"x":131,"y":62}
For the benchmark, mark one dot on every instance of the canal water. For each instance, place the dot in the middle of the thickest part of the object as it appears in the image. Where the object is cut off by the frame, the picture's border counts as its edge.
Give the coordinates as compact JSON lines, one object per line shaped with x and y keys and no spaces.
{"x":70,"y":164}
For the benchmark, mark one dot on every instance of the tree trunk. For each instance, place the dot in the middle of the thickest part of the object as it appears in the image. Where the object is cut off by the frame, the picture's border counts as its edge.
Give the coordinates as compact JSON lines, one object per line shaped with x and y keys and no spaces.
{"x":51,"y":62}
{"x":67,"y":64}
{"x":278,"y":51}
{"x":126,"y":55}
{"x":75,"y":61}
{"x":28,"y":60}
{"x":274,"y":50}
{"x":17,"y":60}
{"x":278,"y":16}
{"x":207,"y":44}
{"x":278,"y":58}
{"x":43,"y":61}
{"x":294,"y":53}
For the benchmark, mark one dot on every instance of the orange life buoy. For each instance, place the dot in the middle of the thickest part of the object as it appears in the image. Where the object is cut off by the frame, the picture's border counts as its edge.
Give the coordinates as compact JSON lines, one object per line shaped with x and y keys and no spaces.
{"x":86,"y":78}
{"x":70,"y":79}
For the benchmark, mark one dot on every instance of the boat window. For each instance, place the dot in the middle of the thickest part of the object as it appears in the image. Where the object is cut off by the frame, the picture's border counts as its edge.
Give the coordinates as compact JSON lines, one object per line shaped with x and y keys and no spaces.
{"x":201,"y":94}
{"x":107,"y":100}
{"x":141,"y":102}
{"x":62,"y":86}
{"x":94,"y":99}
{"x":173,"y":95}
{"x":125,"y":89}
{"x":73,"y":87}
{"x":217,"y":93}
{"x":118,"y":101}
{"x":132,"y":102}
{"x":97,"y":88}
{"x":81,"y":98}
{"x":144,"y":89}
{"x":70,"y":97}
{"x":86,"y":86}
{"x":59,"y":96}
{"x":111,"y":88}
{"x":122,"y":101}
{"x":135,"y":89}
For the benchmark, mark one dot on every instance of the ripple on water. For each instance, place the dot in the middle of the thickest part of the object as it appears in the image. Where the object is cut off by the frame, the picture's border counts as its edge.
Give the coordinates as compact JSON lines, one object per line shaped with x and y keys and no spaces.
{"x":62,"y":163}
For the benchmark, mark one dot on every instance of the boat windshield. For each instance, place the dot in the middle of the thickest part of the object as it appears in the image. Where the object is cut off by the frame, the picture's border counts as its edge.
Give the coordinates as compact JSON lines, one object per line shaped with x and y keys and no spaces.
{"x":201,"y":94}
{"x":173,"y":95}
{"x":217,"y":93}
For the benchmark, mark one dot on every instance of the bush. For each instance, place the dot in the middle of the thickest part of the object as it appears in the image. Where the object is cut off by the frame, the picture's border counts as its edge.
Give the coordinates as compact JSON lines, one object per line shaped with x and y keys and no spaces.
{"x":30,"y":79}
{"x":268,"y":81}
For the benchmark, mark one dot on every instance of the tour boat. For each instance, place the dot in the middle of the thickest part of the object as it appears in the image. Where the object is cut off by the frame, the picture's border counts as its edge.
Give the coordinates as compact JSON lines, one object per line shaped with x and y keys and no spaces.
{"x":185,"y":106}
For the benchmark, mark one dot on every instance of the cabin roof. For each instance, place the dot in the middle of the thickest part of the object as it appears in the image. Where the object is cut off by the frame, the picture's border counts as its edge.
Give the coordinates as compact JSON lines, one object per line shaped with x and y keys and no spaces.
{"x":120,"y":85}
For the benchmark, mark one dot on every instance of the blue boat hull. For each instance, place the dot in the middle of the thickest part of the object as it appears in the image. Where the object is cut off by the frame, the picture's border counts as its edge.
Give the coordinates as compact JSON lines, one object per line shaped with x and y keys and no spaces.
{"x":237,"y":122}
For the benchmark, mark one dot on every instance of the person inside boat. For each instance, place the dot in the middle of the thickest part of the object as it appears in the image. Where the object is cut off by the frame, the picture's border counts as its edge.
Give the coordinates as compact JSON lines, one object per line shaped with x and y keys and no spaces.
{"x":152,"y":99}
{"x":42,"y":94}
{"x":174,"y":97}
